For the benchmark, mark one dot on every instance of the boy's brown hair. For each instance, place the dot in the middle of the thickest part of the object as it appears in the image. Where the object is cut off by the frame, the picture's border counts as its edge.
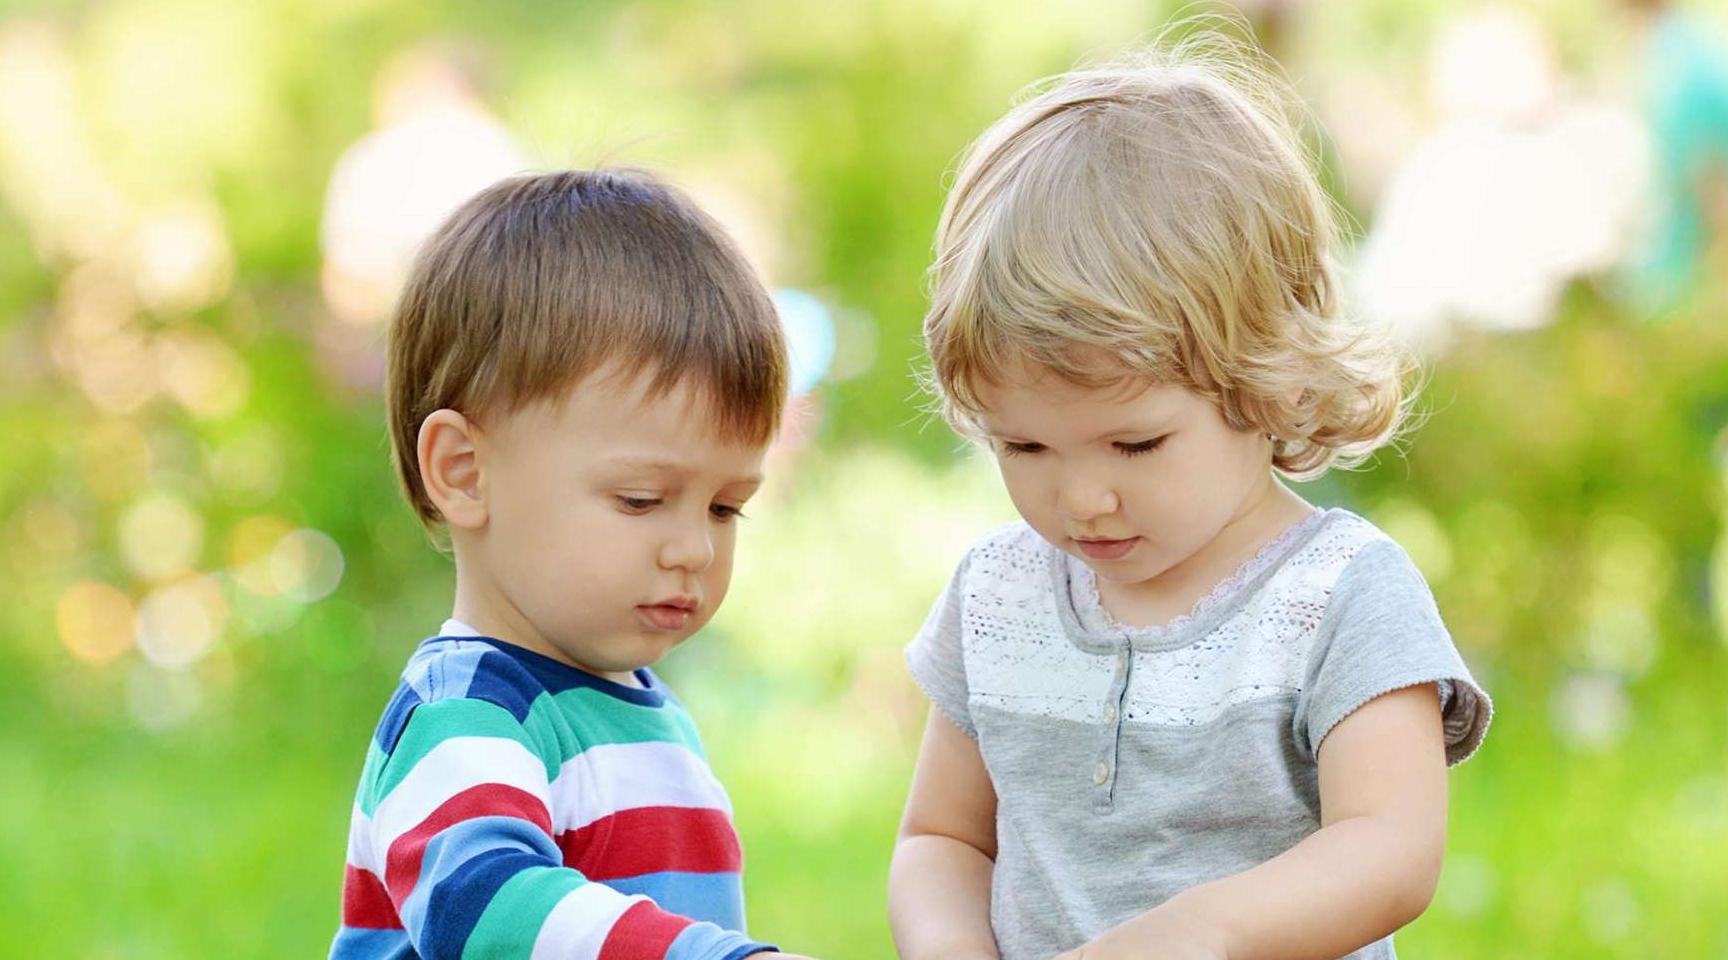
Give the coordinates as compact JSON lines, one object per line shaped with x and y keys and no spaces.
{"x":540,"y":280}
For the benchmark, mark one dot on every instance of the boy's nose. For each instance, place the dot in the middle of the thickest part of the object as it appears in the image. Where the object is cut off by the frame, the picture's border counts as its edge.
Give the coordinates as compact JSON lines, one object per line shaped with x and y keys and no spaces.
{"x":692,"y":550}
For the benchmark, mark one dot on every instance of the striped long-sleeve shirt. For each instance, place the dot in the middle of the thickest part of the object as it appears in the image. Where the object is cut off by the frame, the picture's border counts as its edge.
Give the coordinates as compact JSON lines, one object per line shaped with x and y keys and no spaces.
{"x":513,"y":806}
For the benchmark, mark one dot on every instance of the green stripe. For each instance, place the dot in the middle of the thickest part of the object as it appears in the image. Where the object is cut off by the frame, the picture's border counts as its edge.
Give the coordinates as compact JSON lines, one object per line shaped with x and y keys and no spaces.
{"x":433,"y":723}
{"x":511,"y":922}
{"x":605,"y":719}
{"x":558,"y":728}
{"x":369,"y":776}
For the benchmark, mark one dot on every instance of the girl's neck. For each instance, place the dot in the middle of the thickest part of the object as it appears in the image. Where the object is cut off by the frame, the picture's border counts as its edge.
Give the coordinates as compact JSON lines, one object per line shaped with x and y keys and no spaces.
{"x":1175,"y":592}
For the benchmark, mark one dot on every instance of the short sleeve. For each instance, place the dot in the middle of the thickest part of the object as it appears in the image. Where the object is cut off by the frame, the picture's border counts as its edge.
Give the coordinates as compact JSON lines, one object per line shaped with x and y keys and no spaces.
{"x":935,"y":655}
{"x":1382,"y":632}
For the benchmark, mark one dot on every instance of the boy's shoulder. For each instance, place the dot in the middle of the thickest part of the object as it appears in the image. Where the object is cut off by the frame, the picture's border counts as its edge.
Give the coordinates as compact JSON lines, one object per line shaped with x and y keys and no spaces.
{"x":451,"y":673}
{"x":445,"y":669}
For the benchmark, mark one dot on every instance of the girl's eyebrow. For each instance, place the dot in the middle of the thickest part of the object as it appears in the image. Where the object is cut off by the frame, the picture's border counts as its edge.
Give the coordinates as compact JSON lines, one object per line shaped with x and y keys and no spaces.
{"x":1142,"y":431}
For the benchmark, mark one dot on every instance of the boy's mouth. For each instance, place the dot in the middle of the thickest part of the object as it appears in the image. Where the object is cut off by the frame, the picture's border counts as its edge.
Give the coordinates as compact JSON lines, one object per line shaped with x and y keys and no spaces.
{"x":669,"y":614}
{"x":1106,"y":549}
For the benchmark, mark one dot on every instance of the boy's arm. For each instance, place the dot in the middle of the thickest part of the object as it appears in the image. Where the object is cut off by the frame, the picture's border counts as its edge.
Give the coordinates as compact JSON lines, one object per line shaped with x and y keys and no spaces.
{"x":1370,"y":869}
{"x":463,"y":833}
{"x":939,"y":883}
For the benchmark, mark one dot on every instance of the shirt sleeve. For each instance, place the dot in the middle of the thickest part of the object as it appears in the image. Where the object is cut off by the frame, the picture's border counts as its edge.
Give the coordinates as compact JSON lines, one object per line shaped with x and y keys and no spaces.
{"x":936,"y":658}
{"x":1382,"y":632}
{"x":463,"y":832}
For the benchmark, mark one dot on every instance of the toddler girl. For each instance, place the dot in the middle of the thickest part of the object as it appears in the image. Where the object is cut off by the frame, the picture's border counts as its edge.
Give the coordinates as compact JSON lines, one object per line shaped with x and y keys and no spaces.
{"x":1178,"y":711}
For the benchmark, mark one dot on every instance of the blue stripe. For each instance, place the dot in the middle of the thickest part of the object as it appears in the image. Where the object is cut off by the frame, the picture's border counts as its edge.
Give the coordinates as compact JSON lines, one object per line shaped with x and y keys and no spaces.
{"x":457,"y":902}
{"x":499,"y":679}
{"x":751,"y":950}
{"x":558,"y":677}
{"x":395,"y":720}
{"x":456,"y":671}
{"x":706,"y":940}
{"x":358,"y":943}
{"x":715,"y":897}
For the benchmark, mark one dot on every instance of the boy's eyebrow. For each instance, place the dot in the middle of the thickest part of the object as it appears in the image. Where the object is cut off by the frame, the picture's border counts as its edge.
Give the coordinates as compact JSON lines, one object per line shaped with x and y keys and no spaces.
{"x":676,"y":468}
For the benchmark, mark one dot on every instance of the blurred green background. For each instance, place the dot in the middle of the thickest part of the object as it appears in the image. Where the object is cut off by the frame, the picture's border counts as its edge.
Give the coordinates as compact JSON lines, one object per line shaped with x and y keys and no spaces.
{"x":210,"y":583}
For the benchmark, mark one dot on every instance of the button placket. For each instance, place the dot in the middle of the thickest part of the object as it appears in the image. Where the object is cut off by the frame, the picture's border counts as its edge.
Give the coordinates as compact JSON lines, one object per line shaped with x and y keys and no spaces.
{"x":1104,"y":770}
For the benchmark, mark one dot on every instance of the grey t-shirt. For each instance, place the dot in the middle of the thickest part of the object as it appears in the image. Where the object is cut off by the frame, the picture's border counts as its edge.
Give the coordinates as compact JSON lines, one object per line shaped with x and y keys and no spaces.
{"x":1132,"y":763}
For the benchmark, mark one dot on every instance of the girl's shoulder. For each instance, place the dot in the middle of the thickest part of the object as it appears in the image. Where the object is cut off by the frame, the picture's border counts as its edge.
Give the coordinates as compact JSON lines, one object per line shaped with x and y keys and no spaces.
{"x":1012,"y":557}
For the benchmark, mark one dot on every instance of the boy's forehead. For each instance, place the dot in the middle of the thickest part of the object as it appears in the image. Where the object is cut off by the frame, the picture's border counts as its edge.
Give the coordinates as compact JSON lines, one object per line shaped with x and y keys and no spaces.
{"x":626,"y":424}
{"x":743,"y":469}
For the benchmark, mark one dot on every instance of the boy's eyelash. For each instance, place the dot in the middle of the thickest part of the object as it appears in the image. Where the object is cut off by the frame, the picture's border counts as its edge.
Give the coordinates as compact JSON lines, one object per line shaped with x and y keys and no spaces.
{"x":1140,"y":447}
{"x":725,"y":513}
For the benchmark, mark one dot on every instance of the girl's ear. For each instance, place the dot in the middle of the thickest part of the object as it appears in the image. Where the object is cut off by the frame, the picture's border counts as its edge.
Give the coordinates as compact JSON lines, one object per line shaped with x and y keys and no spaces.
{"x":450,"y":468}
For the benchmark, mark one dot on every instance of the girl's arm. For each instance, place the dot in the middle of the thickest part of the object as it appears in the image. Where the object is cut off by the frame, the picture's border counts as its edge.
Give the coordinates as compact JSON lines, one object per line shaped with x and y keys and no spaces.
{"x":1369,"y":870}
{"x":939,"y":883}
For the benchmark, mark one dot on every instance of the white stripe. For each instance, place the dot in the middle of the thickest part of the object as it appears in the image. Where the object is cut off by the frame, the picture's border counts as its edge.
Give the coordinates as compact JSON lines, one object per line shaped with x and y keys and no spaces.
{"x":578,"y":925}
{"x":450,"y":768}
{"x":359,"y":849}
{"x":603,"y":780}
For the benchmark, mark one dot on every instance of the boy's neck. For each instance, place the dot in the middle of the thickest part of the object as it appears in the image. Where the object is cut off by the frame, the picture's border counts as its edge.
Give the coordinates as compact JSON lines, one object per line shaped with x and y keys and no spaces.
{"x":480,"y":605}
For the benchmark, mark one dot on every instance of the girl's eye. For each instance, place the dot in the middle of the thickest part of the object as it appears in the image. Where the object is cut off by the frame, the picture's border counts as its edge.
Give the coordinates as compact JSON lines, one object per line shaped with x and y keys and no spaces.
{"x":1012,"y":447}
{"x":725,"y":513}
{"x":1137,"y":448}
{"x":638,"y":504}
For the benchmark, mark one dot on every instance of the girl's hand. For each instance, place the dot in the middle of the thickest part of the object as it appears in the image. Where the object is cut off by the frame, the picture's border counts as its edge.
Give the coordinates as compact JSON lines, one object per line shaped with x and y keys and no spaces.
{"x":1163,"y":933}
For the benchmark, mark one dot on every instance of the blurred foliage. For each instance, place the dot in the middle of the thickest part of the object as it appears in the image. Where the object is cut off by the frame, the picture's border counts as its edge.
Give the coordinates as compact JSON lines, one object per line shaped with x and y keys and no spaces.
{"x":193,"y":441}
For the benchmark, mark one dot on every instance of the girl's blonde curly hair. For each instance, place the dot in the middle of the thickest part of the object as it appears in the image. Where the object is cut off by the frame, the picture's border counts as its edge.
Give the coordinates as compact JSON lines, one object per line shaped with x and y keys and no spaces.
{"x":1162,"y":210}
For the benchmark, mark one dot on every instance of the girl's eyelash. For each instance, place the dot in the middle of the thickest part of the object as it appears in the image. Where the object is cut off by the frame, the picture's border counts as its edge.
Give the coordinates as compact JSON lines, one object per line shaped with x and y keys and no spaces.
{"x":639,"y":503}
{"x":726,"y":514}
{"x":1140,"y":447}
{"x":1012,"y":448}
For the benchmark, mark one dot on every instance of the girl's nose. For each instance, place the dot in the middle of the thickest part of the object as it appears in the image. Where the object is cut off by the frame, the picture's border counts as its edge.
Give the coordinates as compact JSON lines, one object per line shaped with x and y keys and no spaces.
{"x":1083,"y":500}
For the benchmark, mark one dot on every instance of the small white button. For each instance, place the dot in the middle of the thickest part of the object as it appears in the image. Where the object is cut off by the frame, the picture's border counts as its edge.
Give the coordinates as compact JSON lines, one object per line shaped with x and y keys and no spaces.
{"x":1110,"y":713}
{"x":1101,"y":774}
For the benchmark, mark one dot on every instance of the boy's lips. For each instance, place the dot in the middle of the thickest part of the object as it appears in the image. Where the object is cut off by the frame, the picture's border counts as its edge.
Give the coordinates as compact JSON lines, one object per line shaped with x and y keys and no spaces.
{"x":1106,"y":549}
{"x":669,"y":614}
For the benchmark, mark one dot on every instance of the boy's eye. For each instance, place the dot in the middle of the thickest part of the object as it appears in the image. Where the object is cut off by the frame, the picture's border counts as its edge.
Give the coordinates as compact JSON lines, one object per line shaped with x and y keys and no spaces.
{"x":1140,"y":446}
{"x":725,"y":513}
{"x":1012,"y":447}
{"x":638,"y":504}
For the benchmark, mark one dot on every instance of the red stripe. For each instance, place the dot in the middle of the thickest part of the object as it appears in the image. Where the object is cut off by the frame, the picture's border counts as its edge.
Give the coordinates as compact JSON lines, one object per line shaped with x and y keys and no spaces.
{"x":402,"y":863}
{"x":643,"y":840}
{"x":643,"y":932}
{"x":365,"y":903}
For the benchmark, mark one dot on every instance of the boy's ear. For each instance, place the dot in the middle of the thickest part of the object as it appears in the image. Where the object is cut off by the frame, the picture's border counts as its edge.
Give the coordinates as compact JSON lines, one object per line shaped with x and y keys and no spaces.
{"x":450,"y":468}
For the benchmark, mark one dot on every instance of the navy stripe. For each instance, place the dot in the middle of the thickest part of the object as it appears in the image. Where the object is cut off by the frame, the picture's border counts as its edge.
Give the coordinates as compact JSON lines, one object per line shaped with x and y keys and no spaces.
{"x":457,"y":902}
{"x":556,"y":677}
{"x":395,"y":719}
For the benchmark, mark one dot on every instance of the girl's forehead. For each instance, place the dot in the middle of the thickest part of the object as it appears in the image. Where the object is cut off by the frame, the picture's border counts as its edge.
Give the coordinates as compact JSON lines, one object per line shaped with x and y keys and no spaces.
{"x":1053,"y":402}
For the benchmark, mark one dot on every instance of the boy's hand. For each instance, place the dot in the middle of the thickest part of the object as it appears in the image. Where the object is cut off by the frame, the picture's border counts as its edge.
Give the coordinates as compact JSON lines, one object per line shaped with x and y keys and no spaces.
{"x":1163,"y":933}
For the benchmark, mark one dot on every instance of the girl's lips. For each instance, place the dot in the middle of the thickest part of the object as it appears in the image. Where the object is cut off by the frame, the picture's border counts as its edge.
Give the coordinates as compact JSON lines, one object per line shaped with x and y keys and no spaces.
{"x":665,"y":616}
{"x":1107,"y":549}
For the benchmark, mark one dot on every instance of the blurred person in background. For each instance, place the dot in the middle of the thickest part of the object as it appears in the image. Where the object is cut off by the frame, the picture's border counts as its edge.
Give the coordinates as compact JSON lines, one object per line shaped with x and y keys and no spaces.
{"x":1685,"y":76}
